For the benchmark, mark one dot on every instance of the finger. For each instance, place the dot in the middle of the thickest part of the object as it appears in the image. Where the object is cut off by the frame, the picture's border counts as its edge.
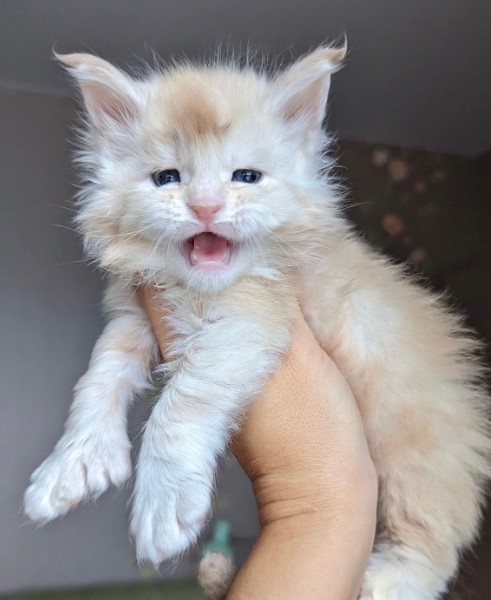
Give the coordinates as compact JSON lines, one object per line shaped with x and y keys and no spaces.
{"x":157,"y":314}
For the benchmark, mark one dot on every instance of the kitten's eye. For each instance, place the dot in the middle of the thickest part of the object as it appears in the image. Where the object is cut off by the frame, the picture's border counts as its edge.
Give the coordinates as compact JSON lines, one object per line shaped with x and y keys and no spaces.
{"x":246,"y":176}
{"x":164,"y":177}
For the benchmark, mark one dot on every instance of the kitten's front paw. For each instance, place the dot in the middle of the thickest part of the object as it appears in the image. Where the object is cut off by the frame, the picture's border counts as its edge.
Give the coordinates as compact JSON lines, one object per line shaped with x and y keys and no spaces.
{"x":78,"y":469}
{"x":170,"y":509}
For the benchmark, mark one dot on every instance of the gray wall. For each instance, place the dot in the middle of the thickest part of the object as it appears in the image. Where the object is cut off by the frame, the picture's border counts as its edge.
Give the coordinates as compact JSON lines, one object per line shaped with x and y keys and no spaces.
{"x":49,"y":319}
{"x":417,"y":73}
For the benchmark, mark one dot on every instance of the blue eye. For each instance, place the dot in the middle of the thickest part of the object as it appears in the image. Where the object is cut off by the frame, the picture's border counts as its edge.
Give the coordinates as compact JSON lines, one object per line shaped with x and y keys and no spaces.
{"x":164,"y":177}
{"x":246,"y":176}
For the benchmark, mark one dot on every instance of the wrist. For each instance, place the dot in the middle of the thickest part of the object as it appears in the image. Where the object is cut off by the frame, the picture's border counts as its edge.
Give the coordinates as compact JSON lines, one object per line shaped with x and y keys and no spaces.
{"x":318,"y":552}
{"x":314,"y":496}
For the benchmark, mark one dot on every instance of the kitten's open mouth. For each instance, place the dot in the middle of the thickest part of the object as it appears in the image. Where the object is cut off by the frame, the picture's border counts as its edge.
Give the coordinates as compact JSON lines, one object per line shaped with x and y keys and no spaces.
{"x":208,"y":251}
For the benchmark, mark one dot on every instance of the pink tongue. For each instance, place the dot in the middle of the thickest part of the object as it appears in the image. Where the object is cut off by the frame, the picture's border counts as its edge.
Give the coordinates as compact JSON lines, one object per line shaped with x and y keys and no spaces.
{"x":208,"y":246}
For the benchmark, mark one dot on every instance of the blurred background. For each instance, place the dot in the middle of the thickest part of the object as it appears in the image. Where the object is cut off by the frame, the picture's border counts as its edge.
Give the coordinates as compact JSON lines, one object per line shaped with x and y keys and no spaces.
{"x":411,"y":113}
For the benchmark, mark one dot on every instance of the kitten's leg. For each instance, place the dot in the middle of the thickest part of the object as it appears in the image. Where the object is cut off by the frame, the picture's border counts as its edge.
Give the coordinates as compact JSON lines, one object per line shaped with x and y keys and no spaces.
{"x":94,"y":450}
{"x":221,"y":369}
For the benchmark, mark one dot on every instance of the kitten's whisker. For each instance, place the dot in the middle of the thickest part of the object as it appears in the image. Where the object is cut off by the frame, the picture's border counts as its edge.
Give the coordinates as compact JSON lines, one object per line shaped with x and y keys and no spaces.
{"x":167,"y":248}
{"x":257,"y":244}
{"x":171,"y":239}
{"x":132,"y":295}
{"x":128,"y":235}
{"x":282,"y":241}
{"x":64,"y":227}
{"x":152,"y":254}
{"x":356,"y":204}
{"x":141,"y":274}
{"x":68,"y":208}
{"x":71,"y":262}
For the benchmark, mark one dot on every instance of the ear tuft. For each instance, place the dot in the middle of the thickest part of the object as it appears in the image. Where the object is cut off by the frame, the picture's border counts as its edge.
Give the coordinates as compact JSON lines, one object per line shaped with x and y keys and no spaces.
{"x":301,"y":90}
{"x":111,"y":97}
{"x":336,"y":54}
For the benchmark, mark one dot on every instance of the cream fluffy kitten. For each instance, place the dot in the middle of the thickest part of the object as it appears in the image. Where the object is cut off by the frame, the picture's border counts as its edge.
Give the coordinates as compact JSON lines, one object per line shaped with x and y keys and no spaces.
{"x":210,"y":181}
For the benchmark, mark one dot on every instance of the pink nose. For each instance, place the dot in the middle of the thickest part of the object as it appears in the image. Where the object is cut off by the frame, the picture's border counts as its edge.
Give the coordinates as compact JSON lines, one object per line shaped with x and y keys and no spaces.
{"x":205,"y":213}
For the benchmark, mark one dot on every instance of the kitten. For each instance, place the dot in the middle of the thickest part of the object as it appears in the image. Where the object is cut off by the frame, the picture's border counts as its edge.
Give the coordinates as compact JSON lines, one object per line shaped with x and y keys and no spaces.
{"x":209,"y":181}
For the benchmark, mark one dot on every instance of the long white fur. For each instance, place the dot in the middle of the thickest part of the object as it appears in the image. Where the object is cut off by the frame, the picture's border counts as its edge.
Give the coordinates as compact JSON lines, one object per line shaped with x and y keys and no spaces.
{"x":409,"y":360}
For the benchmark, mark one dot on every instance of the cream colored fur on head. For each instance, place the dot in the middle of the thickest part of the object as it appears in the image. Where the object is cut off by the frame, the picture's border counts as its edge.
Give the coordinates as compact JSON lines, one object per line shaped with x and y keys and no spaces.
{"x":409,"y":360}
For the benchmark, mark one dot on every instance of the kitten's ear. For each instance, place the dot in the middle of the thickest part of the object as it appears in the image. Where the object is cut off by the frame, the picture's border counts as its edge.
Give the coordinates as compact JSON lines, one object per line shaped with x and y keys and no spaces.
{"x":111,"y":97}
{"x":301,"y":91}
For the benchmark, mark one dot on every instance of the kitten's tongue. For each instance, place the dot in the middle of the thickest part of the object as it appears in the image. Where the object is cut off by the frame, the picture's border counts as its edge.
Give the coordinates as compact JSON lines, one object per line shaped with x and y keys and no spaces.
{"x":210,"y":249}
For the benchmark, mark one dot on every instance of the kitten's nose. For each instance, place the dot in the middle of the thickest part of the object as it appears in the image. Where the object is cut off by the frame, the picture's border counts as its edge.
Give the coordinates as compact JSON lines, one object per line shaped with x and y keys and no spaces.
{"x":205,"y":213}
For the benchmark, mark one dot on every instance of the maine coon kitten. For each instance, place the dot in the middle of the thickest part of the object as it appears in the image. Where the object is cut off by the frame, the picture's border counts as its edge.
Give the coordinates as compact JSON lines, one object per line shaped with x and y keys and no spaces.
{"x":210,"y":181}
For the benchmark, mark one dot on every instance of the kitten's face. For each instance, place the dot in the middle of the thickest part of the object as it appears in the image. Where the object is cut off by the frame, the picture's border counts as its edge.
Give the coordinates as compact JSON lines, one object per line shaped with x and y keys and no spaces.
{"x":199,"y":172}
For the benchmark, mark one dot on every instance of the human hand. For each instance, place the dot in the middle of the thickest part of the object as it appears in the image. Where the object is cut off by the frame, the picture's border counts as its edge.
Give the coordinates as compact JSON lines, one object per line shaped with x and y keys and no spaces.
{"x":303,"y":447}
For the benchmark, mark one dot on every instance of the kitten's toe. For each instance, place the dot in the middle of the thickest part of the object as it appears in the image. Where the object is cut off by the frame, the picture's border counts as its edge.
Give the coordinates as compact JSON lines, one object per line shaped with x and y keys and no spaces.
{"x":168,"y":516}
{"x":79,"y":469}
{"x":53,"y":491}
{"x":159,"y":533}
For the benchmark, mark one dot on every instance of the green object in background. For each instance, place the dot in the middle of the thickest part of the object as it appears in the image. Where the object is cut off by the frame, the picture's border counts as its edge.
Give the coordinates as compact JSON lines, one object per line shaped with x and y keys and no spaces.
{"x":220,"y":541}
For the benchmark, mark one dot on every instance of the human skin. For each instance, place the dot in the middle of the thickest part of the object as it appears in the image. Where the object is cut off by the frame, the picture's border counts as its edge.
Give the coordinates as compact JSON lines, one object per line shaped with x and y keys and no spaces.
{"x":302,"y":445}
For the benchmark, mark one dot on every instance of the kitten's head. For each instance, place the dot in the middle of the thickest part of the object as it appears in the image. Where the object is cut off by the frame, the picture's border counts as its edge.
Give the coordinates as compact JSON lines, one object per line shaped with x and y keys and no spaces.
{"x":199,"y":173}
